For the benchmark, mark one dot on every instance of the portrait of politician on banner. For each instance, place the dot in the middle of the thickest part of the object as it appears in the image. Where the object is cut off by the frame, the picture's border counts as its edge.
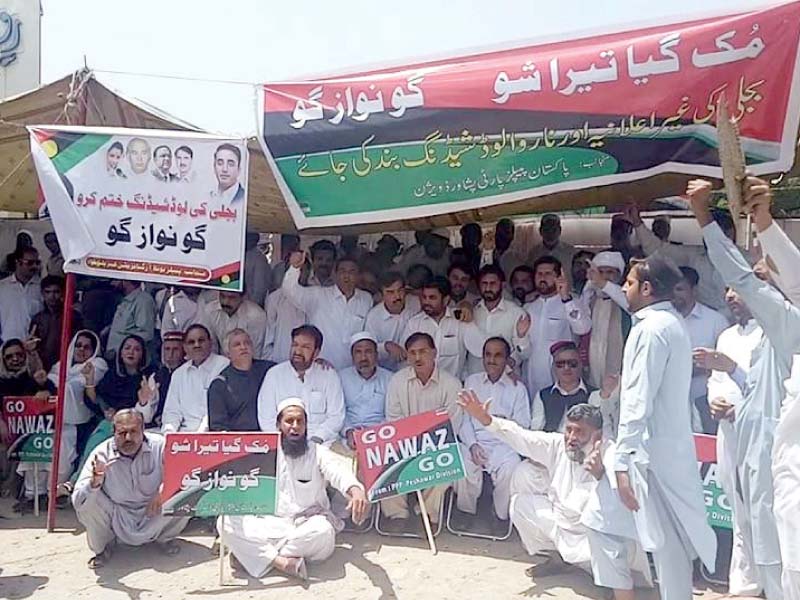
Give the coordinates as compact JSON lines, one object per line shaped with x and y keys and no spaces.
{"x":146,"y":204}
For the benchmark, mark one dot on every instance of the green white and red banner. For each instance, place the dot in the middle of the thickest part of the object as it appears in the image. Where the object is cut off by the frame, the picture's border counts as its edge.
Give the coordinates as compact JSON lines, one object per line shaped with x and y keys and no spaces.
{"x":407,"y":455}
{"x":209,"y":474}
{"x":146,"y":204}
{"x":31,"y":423}
{"x":718,"y":507}
{"x":495,"y":127}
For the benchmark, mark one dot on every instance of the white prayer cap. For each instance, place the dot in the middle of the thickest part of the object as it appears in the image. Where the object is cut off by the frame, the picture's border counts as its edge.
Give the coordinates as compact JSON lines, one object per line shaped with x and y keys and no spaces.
{"x":292,"y":401}
{"x":609,"y":259}
{"x":361,"y":336}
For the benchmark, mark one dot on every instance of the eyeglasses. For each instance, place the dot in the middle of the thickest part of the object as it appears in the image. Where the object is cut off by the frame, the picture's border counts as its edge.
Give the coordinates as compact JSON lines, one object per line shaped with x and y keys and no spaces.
{"x":563,"y":364}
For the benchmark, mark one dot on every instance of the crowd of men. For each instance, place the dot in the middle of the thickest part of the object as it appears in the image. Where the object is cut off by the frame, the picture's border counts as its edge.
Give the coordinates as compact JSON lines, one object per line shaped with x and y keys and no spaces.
{"x":573,"y":379}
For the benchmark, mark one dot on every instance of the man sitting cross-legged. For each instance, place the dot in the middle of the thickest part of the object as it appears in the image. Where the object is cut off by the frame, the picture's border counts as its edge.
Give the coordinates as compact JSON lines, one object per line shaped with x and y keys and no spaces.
{"x":303,"y":526}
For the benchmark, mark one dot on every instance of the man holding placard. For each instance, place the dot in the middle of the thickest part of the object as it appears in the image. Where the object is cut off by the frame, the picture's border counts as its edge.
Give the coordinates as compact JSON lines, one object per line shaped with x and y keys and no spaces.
{"x":419,"y":388}
{"x":303,"y":527}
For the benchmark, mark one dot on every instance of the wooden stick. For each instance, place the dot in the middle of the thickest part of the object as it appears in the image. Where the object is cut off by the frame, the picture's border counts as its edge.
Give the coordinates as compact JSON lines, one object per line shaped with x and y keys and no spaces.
{"x":66,"y":336}
{"x":36,"y":489}
{"x":221,"y":553}
{"x":423,"y":511}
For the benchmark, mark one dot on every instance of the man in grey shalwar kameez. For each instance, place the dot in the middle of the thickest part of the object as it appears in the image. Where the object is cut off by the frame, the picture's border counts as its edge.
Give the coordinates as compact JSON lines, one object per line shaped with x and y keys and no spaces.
{"x":757,"y":418}
{"x":657,"y":477}
{"x":117,"y":497}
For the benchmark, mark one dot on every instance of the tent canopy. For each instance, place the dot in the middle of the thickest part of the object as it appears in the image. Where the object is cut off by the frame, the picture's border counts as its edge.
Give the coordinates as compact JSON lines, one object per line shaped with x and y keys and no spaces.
{"x":80,"y":99}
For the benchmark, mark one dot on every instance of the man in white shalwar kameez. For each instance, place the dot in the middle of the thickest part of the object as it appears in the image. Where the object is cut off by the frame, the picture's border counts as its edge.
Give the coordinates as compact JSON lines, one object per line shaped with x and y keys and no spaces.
{"x":117,"y":496}
{"x":657,"y":478}
{"x":757,"y":419}
{"x":486,"y":451}
{"x":303,"y":527}
{"x":549,"y":518}
{"x":783,"y":258}
{"x":729,"y":364}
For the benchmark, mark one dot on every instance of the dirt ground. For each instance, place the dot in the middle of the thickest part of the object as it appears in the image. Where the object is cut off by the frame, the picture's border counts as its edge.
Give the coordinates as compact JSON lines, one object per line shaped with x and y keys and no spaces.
{"x":36,"y":564}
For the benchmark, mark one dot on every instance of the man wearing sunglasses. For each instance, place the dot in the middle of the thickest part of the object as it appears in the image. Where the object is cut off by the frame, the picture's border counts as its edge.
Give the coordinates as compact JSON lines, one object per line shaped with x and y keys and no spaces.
{"x":20,"y":296}
{"x":551,"y":404}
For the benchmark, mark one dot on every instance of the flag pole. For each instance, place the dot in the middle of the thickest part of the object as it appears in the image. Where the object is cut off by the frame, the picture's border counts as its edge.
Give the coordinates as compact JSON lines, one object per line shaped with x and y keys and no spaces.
{"x":66,"y":328}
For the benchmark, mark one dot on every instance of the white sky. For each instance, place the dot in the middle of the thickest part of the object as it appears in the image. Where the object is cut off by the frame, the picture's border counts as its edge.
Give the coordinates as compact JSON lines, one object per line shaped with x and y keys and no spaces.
{"x":263,"y":40}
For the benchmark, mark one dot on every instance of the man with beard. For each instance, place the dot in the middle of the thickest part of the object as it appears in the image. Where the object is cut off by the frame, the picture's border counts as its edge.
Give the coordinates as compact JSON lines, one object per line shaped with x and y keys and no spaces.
{"x":364,"y":386}
{"x":303,"y":377}
{"x":486,"y":452}
{"x":494,"y":316}
{"x":548,"y":518}
{"x":523,"y":288}
{"x":116,"y":497}
{"x":303,"y":526}
{"x":387,"y":321}
{"x":610,"y":319}
{"x":580,"y":269}
{"x":186,"y":406}
{"x":233,"y":395}
{"x":233,"y":310}
{"x":655,"y":463}
{"x":556,"y":315}
{"x":447,"y":326}
{"x":337,"y":311}
{"x":459,"y":275}
{"x":420,"y":387}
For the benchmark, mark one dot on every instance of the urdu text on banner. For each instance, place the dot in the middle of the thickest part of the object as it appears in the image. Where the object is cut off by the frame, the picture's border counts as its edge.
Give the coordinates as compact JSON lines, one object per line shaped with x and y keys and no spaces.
{"x":147,"y":205}
{"x":502,"y":126}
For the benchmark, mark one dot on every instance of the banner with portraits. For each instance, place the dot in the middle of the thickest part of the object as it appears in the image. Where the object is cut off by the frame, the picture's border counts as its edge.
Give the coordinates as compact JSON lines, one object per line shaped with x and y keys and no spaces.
{"x":147,"y":205}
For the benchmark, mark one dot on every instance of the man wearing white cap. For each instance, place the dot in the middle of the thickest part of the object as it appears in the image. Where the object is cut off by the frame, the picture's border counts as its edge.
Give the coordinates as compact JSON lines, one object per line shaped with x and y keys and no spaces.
{"x":364,"y":385}
{"x":303,"y":526}
{"x":302,"y":377}
{"x":610,"y":319}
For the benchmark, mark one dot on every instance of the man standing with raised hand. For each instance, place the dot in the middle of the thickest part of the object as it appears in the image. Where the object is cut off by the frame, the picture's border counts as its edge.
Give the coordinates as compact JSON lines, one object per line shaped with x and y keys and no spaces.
{"x":655,"y":462}
{"x":757,"y":419}
{"x":782,"y":256}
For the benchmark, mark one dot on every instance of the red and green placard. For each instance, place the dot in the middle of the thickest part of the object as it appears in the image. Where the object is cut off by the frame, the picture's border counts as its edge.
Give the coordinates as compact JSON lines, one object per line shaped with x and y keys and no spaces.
{"x":209,"y":474}
{"x":408,"y":455}
{"x":31,"y":423}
